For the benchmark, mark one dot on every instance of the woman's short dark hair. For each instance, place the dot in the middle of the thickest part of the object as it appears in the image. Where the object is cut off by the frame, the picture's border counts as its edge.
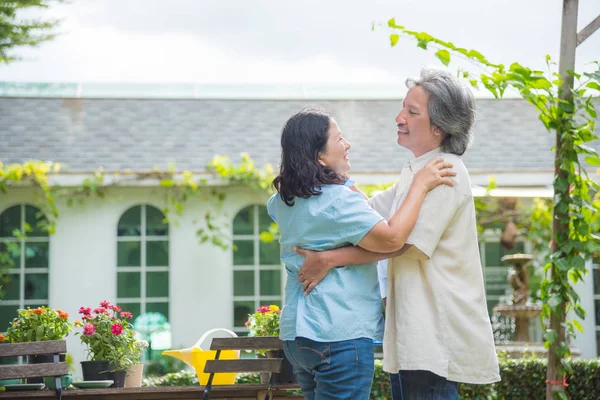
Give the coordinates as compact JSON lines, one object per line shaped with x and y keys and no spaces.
{"x":303,"y":136}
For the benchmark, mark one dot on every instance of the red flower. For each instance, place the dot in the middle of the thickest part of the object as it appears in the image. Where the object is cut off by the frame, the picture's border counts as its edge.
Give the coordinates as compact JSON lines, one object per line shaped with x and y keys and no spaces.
{"x":116,"y":329}
{"x":85,"y":310}
{"x":89,"y":329}
{"x":105,"y":304}
{"x":100,"y":310}
{"x":126,"y":314}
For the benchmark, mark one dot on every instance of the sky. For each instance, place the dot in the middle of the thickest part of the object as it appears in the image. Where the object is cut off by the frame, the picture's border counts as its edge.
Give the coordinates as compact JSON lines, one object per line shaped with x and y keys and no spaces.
{"x":282,"y":41}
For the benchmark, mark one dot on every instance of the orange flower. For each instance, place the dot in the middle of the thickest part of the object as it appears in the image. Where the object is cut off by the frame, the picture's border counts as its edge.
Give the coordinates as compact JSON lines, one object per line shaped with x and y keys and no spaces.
{"x":62,"y":314}
{"x":38,"y":311}
{"x":2,"y":338}
{"x":78,"y":323}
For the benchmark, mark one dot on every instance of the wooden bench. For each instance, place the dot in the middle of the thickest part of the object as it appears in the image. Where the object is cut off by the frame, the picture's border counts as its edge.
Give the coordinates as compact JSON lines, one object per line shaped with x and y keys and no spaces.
{"x":271,"y":390}
{"x":55,"y":368}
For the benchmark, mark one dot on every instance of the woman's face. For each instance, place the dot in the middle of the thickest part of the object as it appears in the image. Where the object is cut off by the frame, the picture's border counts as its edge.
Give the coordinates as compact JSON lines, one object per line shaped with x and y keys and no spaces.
{"x":335,"y":156}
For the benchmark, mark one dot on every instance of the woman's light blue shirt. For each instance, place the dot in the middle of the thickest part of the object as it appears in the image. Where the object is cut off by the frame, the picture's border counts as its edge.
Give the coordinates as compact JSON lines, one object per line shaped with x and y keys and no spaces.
{"x":346,"y":304}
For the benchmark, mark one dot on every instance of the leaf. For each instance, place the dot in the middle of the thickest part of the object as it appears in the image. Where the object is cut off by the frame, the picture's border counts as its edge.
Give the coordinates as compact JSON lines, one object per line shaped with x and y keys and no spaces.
{"x":444,"y":56}
{"x":550,"y":335}
{"x":423,"y":44}
{"x":593,"y":85}
{"x":577,"y":325}
{"x":394,"y":39}
{"x":554,"y":301}
{"x":392,"y":24}
{"x":539,"y":83}
{"x":567,"y":107}
{"x":594,"y":161}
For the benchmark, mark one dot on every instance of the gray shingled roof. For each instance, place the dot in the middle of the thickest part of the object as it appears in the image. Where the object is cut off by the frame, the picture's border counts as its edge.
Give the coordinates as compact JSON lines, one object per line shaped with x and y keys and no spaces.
{"x":140,"y":134}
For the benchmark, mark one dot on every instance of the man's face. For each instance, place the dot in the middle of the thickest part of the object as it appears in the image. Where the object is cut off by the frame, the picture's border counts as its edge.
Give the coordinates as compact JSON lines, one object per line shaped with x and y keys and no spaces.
{"x":415,"y":131}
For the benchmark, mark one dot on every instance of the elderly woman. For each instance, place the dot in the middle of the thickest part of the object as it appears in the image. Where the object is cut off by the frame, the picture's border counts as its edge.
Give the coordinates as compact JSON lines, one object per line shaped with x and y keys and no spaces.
{"x":437,"y":329}
{"x":328,"y":336}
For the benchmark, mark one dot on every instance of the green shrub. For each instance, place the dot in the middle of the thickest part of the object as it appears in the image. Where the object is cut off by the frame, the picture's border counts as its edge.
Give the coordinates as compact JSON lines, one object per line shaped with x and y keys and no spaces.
{"x":380,"y":389}
{"x":181,"y":378}
{"x":163,"y":365}
{"x":584,"y":384}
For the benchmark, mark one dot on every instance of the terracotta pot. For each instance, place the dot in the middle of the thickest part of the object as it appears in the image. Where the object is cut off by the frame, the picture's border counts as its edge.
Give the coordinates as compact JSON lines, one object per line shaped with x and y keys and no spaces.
{"x":133,"y":377}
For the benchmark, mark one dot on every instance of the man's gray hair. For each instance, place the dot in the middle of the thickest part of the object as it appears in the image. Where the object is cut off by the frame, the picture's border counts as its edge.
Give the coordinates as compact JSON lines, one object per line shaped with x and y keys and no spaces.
{"x":451,"y":107}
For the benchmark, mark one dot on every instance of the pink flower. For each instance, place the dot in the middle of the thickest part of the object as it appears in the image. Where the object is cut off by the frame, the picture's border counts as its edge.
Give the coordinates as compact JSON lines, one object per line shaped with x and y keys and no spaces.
{"x":264,"y":309}
{"x":115,"y":308}
{"x":85,"y":310}
{"x":89,"y":329}
{"x":116,"y":329}
{"x":105,"y":304}
{"x":100,"y":310}
{"x":126,"y":314}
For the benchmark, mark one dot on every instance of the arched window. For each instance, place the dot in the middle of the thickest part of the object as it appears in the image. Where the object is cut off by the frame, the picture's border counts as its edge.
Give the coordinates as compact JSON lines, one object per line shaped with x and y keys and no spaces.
{"x":26,"y":281}
{"x":257,"y":269}
{"x":143,"y":261}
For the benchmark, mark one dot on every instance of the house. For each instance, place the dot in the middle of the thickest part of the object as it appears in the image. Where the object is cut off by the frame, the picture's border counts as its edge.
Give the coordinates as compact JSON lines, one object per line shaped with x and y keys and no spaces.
{"x":119,"y":248}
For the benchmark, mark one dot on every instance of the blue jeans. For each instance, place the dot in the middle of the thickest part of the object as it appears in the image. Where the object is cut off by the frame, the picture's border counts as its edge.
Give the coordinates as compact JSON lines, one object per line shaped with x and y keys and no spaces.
{"x":332,"y":370}
{"x":422,"y":385}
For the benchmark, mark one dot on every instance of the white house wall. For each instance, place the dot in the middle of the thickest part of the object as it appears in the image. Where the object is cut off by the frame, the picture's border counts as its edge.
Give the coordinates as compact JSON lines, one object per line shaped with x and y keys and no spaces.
{"x":83,"y":254}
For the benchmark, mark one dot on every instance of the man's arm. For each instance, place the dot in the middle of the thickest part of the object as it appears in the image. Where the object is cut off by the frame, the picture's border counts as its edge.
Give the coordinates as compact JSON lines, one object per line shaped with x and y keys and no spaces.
{"x":318,"y":263}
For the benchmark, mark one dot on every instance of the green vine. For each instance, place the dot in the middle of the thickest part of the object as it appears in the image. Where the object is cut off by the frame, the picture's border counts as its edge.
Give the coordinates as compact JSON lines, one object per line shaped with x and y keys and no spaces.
{"x":571,"y":116}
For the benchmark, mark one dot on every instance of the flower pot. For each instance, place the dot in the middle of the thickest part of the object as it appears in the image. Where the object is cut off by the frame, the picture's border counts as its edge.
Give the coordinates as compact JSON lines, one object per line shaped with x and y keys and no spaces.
{"x":287,"y":370}
{"x":100,"y":370}
{"x":41,"y":359}
{"x":65,"y":381}
{"x":133,"y":377}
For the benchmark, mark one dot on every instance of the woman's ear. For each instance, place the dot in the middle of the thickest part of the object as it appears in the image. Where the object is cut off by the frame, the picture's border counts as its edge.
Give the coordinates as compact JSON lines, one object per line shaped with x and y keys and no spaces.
{"x":320,"y":160}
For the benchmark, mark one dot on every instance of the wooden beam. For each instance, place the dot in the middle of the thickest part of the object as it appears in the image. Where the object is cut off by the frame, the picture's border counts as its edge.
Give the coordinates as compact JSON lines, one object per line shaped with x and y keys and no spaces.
{"x":588,"y":30}
{"x":247,"y":343}
{"x":33,"y":348}
{"x":248,"y":365}
{"x":242,"y":391}
{"x":33,"y":370}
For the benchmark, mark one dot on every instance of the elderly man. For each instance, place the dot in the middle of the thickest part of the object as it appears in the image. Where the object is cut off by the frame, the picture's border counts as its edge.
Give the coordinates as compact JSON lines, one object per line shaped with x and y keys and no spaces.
{"x":437,"y":329}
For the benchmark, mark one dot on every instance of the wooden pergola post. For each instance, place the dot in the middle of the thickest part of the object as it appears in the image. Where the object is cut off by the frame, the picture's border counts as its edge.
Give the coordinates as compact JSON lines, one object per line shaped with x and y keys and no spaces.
{"x":569,"y":41}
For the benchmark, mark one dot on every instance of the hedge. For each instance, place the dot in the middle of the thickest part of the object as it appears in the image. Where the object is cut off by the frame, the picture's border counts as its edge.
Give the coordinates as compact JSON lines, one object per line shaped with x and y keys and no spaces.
{"x":522,"y":379}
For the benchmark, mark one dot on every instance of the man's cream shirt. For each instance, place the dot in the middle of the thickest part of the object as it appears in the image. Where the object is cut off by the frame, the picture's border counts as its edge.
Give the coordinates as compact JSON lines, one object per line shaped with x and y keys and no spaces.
{"x":436,"y":313}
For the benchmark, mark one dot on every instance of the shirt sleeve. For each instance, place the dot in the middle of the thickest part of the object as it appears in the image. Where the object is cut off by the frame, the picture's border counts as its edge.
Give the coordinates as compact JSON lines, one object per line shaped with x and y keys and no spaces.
{"x":271,"y":206}
{"x":382,"y":267}
{"x":437,"y":211}
{"x":351,"y":216}
{"x":383,"y":201}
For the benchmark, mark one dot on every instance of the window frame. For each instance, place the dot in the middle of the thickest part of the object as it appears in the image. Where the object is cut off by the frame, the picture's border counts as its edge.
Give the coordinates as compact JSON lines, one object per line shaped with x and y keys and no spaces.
{"x":21,"y":270}
{"x":256,"y":267}
{"x":143,"y":269}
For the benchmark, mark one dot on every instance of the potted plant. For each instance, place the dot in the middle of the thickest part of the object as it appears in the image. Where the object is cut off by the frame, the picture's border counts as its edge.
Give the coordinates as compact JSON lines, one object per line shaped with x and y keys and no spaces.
{"x":265,"y":322}
{"x":110,"y":342}
{"x":36,"y":325}
{"x":133,"y":378}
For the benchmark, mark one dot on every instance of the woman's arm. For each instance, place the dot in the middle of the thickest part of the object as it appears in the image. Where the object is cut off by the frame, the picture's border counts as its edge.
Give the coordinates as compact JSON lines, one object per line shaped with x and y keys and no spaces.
{"x":390,"y":236}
